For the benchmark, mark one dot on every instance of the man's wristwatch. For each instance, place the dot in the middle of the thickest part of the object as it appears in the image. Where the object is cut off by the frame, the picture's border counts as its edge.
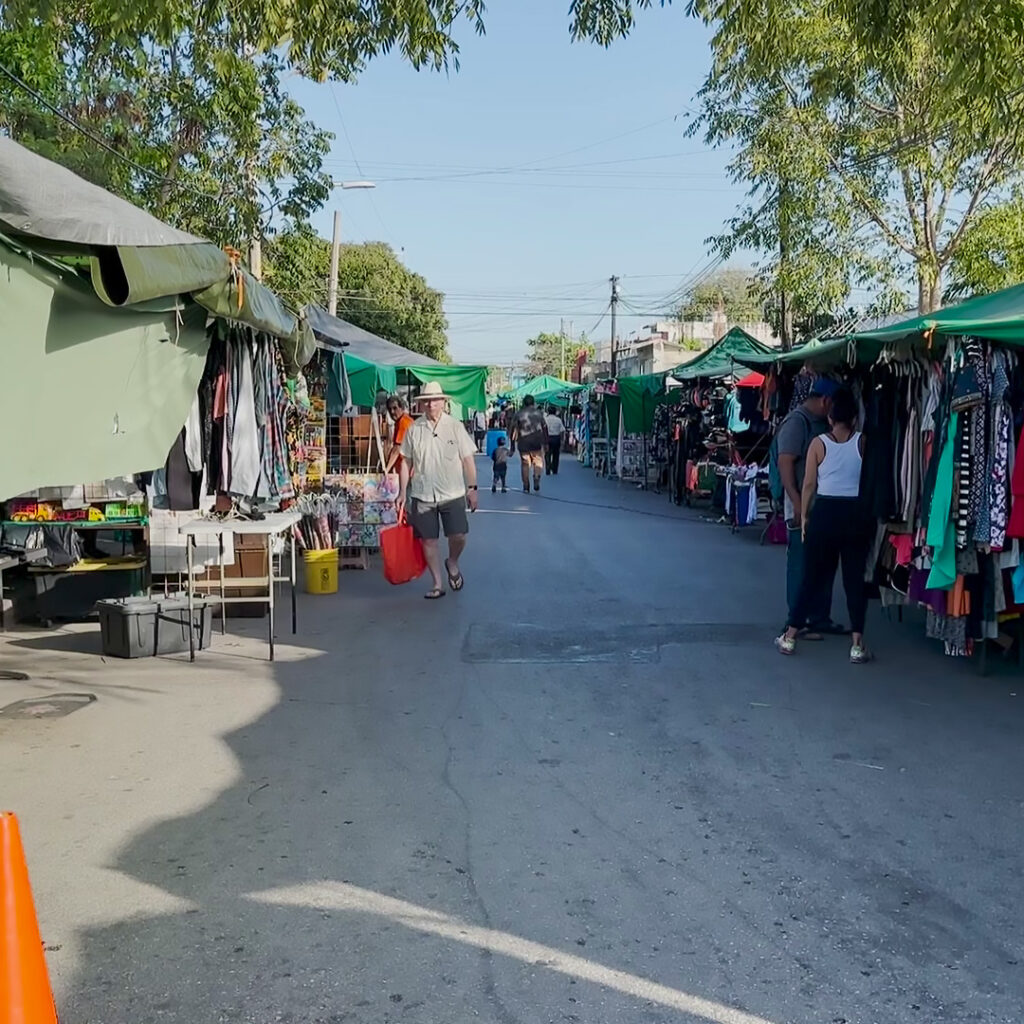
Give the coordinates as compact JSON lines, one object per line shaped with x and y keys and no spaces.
{"x":472,"y":487}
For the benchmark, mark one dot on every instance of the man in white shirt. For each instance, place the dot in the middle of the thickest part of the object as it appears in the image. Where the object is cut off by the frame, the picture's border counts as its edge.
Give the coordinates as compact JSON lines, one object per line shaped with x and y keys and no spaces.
{"x":438,"y":476}
{"x":479,"y":429}
{"x":556,"y":428}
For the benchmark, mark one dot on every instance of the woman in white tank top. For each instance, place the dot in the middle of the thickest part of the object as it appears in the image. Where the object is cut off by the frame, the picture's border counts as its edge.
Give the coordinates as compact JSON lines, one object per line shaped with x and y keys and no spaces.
{"x":836,"y":527}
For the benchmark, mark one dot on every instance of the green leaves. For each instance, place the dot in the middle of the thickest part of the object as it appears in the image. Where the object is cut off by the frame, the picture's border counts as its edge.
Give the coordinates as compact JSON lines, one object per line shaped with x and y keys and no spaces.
{"x":375,"y":290}
{"x":221,"y":146}
{"x":733,"y":291}
{"x":544,"y":352}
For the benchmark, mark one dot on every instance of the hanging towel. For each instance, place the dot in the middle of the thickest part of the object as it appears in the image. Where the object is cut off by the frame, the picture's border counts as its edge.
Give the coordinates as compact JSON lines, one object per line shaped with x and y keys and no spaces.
{"x":941,"y":523}
{"x":194,"y":438}
{"x":245,"y":439}
{"x":1015,"y":528}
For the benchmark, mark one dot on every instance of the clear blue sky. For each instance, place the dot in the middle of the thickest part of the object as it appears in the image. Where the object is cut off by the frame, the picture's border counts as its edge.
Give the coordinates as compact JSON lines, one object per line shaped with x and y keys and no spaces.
{"x":520,"y":183}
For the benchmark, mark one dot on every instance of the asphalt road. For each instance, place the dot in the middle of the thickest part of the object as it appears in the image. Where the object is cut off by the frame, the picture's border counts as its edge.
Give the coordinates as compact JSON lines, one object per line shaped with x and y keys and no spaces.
{"x":585,"y":789}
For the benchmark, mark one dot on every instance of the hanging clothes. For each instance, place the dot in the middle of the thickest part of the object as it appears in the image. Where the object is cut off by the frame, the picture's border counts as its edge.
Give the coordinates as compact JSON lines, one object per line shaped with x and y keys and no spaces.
{"x":941,"y":528}
{"x":1015,"y":527}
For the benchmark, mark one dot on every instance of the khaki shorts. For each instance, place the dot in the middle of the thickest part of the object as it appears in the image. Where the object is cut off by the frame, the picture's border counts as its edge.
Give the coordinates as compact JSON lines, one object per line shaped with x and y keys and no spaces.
{"x":528,"y":459}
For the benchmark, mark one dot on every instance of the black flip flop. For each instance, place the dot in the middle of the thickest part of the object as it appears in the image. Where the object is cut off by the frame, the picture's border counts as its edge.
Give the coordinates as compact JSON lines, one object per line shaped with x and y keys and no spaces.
{"x":456,"y":582}
{"x":435,"y":594}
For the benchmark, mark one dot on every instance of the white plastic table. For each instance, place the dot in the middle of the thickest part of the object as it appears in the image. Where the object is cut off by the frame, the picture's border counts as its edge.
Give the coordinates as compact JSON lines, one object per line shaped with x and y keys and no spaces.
{"x":273,"y":525}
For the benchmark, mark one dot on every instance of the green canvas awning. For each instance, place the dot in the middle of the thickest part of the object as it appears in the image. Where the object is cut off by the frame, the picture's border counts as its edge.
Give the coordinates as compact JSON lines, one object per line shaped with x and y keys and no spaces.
{"x":639,"y":396}
{"x":735,"y":348}
{"x":816,"y":352}
{"x":465,"y":384}
{"x":135,"y":258}
{"x":91,"y":391}
{"x":999,"y":316}
{"x":546,"y":388}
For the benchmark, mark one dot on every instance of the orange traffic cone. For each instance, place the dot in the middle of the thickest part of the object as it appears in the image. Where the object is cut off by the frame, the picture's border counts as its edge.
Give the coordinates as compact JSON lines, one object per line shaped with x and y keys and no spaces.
{"x":25,"y":995}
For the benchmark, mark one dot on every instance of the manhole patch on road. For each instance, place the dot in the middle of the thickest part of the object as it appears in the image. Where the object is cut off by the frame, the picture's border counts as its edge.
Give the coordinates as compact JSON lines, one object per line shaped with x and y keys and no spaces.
{"x":54,"y":705}
{"x":531,"y":644}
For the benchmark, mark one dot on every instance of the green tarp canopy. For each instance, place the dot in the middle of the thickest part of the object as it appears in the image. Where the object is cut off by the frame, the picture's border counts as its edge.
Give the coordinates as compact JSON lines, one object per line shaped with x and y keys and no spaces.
{"x":546,"y":388}
{"x":90,"y":391}
{"x":639,"y":396}
{"x":465,"y":384}
{"x":999,"y":316}
{"x":134,"y":257}
{"x":829,"y":351}
{"x":735,"y":347}
{"x":375,"y":364}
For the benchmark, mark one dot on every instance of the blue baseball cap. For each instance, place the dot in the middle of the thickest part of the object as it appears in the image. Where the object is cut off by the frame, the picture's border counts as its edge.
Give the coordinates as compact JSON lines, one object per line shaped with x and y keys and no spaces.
{"x":824,"y":387}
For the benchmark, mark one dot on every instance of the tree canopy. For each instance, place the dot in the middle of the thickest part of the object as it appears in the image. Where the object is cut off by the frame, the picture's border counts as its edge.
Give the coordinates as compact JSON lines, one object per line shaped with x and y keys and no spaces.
{"x":544,"y":353}
{"x":991,"y":256}
{"x":376,"y":291}
{"x":731,"y":291}
{"x":203,"y":133}
{"x":870,"y":142}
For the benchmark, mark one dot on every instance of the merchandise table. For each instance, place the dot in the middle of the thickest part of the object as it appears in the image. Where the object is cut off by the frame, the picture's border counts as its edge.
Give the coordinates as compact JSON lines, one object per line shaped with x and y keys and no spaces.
{"x":274,"y":525}
{"x":5,"y":563}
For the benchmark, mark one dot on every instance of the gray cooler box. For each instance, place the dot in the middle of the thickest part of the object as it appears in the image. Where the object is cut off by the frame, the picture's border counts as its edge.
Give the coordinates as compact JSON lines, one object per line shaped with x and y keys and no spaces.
{"x":141,"y":627}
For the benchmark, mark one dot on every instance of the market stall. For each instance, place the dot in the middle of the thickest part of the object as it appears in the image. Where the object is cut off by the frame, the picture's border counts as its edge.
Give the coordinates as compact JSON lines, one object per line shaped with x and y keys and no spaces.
{"x":357,"y":372}
{"x":715,"y":432}
{"x":943,"y":403}
{"x":161,"y":363}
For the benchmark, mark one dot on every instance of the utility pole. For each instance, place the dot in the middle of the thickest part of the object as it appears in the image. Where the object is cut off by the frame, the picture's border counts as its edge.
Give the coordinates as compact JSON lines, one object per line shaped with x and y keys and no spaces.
{"x":561,"y":335}
{"x":332,"y":286}
{"x":571,"y":353}
{"x":615,"y":310}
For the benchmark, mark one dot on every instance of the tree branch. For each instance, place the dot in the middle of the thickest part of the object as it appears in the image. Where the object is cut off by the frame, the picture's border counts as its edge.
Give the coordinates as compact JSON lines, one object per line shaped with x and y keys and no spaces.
{"x":862,"y":199}
{"x":981,"y":189}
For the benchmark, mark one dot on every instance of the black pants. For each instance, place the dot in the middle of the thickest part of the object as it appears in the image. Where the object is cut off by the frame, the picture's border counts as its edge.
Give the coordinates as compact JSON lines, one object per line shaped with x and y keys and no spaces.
{"x":839,"y":530}
{"x":500,"y":474}
{"x":552,"y":455}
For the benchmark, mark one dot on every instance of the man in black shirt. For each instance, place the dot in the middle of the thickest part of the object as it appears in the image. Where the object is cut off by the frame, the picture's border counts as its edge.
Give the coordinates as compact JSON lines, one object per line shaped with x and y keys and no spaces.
{"x":530,"y":432}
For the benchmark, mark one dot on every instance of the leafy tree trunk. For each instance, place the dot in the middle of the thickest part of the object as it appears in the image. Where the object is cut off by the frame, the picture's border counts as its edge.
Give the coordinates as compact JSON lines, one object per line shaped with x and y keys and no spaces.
{"x":929,"y":288}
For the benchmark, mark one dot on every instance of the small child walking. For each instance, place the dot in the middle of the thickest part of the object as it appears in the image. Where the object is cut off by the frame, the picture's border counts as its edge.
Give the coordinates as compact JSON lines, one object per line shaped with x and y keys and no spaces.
{"x":500,"y":460}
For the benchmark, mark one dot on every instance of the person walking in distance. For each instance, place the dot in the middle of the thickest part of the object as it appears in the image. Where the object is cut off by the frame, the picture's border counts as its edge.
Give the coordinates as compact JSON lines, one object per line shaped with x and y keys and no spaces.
{"x":836,"y":524}
{"x":479,"y":429}
{"x":499,"y":459}
{"x":437,"y":477}
{"x":793,"y":439}
{"x":530,"y":433}
{"x":556,"y":429}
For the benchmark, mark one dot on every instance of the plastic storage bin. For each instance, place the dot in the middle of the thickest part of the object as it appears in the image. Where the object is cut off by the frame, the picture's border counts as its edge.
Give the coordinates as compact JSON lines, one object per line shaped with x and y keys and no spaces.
{"x":142,"y":627}
{"x":492,"y":441}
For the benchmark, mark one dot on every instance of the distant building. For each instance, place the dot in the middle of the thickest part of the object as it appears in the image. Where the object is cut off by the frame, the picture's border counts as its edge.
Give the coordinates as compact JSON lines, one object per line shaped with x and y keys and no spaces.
{"x":666,"y":344}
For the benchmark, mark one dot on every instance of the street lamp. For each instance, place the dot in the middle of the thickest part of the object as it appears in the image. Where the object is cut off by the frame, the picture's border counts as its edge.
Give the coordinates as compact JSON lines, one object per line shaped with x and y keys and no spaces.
{"x":332,"y":286}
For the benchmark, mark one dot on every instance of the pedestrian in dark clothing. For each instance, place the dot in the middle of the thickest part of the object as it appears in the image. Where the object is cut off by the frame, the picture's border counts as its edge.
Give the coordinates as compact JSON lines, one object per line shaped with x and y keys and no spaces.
{"x":499,"y":458}
{"x":556,"y":431}
{"x":836,"y":524}
{"x":794,"y":437}
{"x":530,"y":433}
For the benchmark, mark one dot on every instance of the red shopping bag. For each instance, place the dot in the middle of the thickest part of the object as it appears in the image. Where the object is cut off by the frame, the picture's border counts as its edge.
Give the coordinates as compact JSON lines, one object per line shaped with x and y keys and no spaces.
{"x":402,"y":554}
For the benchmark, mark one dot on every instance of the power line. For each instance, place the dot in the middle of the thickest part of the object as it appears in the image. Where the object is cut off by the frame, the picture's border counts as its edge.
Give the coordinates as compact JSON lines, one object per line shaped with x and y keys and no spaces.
{"x":355,"y":159}
{"x":99,"y":141}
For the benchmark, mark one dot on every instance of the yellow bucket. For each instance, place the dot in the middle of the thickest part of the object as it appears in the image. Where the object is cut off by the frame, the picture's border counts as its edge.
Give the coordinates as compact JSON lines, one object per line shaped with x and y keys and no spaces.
{"x":321,"y":571}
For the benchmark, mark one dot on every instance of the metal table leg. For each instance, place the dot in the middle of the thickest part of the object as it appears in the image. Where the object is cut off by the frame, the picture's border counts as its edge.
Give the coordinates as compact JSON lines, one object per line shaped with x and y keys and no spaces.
{"x":270,"y":591}
{"x":291,"y":544}
{"x":220,"y":572}
{"x":189,"y":541}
